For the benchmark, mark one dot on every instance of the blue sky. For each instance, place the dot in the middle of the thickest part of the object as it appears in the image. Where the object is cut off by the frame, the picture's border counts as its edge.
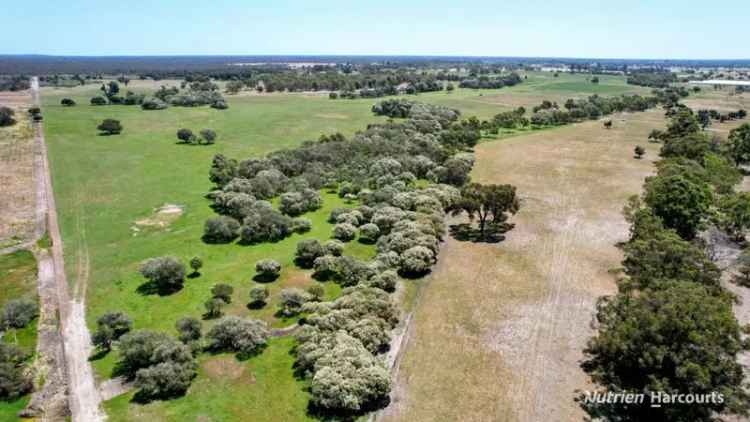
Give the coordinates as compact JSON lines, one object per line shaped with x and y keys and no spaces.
{"x":574,"y":28}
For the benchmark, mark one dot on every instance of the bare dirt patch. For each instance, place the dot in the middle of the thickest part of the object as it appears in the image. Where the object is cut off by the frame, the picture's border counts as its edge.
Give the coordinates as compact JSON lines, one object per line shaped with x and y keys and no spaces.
{"x":226,"y":368}
{"x":161,"y":218}
{"x":499,"y":331}
{"x":335,"y":116}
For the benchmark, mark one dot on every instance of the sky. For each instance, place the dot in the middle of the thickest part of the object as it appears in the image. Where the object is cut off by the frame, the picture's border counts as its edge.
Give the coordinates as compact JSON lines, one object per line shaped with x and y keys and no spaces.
{"x":657,"y":29}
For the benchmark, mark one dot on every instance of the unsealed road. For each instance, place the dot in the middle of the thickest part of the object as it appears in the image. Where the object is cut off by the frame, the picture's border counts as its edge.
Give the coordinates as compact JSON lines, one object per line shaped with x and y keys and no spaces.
{"x":84,"y":397}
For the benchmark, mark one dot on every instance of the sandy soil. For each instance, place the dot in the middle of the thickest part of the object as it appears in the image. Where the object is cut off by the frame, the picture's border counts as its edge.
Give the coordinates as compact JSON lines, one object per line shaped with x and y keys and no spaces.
{"x":500,"y":328}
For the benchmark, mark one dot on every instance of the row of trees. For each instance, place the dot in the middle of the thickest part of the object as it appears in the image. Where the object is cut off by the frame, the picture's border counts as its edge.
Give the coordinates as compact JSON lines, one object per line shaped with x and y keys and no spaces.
{"x":671,"y":328}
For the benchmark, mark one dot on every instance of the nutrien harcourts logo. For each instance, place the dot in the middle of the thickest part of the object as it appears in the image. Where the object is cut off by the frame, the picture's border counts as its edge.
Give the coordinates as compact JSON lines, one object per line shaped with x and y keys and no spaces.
{"x":653,"y":398}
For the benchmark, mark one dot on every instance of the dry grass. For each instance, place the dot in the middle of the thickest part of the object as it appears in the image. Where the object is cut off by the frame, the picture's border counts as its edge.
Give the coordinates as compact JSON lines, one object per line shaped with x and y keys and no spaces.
{"x":16,"y":172}
{"x":500,"y":328}
{"x":724,"y":100}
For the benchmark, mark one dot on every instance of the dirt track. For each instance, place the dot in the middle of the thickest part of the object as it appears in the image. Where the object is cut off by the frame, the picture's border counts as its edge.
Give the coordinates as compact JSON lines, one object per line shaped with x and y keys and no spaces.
{"x":84,"y":399}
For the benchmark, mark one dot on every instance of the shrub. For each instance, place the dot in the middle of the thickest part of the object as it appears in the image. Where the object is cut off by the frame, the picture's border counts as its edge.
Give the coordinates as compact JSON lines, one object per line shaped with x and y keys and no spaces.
{"x":369,"y":233}
{"x":189,"y":329}
{"x":153,"y":104}
{"x":110,"y":127}
{"x":268,"y":269}
{"x":325,"y":267}
{"x":263,"y":223}
{"x":98,"y":101}
{"x":14,"y":381}
{"x":344,"y":232}
{"x":110,"y":327}
{"x":333,"y":247}
{"x":352,"y":271}
{"x":316,"y":292}
{"x":307,"y":251}
{"x":196,"y":264}
{"x":67,"y":102}
{"x":143,"y":348}
{"x":291,"y":301}
{"x":417,"y":260}
{"x":213,"y":307}
{"x":221,"y":229}
{"x":223,"y":292}
{"x":348,"y":377}
{"x":258,"y":296}
{"x":301,"y":225}
{"x":164,"y":380}
{"x":166,"y":273}
{"x":18,"y":313}
{"x":6,"y":116}
{"x":245,"y":336}
{"x":208,"y":136}
{"x":220,"y":105}
{"x":385,"y":281}
{"x":186,"y":135}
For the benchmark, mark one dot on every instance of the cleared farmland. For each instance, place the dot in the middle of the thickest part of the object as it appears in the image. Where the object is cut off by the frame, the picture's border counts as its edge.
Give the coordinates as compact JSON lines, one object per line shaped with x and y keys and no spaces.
{"x":499,"y":330}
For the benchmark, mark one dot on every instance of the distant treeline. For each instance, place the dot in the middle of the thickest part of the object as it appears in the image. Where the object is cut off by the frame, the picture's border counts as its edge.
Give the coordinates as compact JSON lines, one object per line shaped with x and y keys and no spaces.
{"x":652,"y":79}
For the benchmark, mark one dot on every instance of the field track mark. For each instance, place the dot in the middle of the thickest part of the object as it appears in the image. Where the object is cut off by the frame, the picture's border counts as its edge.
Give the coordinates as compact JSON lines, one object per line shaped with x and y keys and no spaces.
{"x":84,"y":399}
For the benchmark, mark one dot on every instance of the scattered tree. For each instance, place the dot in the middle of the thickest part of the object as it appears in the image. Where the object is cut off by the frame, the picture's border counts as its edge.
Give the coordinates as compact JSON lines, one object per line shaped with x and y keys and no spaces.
{"x":166,"y":273}
{"x":110,"y":127}
{"x":245,"y":336}
{"x":67,"y":102}
{"x":196,"y":263}
{"x":110,"y":327}
{"x":267,"y":269}
{"x":258,"y":296}
{"x":189,"y":329}
{"x":223,"y":292}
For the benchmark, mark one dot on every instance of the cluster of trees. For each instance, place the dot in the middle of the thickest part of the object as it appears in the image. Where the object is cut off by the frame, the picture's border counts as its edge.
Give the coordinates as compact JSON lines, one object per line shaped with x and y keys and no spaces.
{"x":652,"y":79}
{"x":15,"y":379}
{"x":194,"y":94}
{"x":491,"y":82}
{"x":111,"y":95}
{"x":591,"y":108}
{"x":205,"y":137}
{"x":670,"y":327}
{"x":15,"y":83}
{"x":375,"y":165}
{"x":378,"y":168}
{"x":706,"y":116}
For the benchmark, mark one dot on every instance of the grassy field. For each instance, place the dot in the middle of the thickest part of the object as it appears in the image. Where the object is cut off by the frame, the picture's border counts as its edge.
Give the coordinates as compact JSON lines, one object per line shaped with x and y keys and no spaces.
{"x":18,"y":280}
{"x":106,"y":187}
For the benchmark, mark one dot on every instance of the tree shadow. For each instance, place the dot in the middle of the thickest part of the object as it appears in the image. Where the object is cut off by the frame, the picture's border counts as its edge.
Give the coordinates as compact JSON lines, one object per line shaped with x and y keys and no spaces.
{"x":258,"y":304}
{"x":150,"y":288}
{"x":493,"y":233}
{"x":194,"y":274}
{"x":100,"y":354}
{"x":265,"y":278}
{"x":323,"y":414}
